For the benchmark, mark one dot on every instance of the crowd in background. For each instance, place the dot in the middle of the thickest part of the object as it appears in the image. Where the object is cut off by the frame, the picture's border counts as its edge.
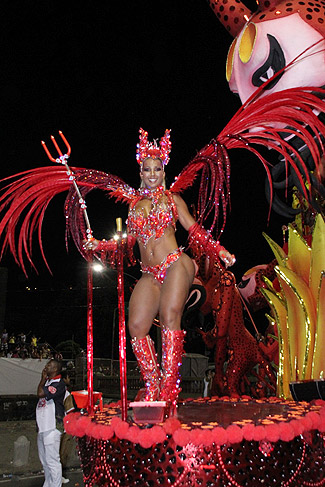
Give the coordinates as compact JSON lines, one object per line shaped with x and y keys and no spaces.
{"x":21,"y":346}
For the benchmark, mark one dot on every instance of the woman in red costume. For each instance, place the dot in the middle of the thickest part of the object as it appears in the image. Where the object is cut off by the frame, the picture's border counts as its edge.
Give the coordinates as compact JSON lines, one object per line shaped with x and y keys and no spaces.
{"x":167,"y":272}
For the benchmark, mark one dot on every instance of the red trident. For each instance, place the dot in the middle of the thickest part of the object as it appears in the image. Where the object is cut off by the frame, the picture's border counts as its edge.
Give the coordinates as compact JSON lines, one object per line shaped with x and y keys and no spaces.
{"x":57,"y":148}
{"x":62,"y":159}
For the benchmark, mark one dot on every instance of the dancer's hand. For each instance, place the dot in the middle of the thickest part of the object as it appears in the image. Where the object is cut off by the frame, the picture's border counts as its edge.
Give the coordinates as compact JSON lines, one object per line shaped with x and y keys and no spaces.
{"x":227,"y":258}
{"x":90,"y":244}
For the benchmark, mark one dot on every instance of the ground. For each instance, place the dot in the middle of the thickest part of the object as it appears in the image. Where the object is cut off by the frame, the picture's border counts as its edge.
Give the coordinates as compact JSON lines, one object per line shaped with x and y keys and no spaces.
{"x":30,"y":473}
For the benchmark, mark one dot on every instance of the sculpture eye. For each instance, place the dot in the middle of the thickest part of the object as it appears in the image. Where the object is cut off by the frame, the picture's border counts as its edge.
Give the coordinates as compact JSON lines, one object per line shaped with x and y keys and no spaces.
{"x":247,"y":42}
{"x":274,"y":63}
{"x":230,"y":59}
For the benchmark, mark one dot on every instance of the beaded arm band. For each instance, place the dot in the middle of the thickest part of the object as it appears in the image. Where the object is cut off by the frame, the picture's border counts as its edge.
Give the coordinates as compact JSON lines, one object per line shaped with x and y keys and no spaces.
{"x":201,"y":242}
{"x":107,"y":250}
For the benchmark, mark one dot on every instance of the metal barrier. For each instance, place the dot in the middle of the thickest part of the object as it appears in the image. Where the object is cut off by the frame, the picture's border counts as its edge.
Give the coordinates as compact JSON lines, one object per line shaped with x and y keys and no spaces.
{"x":107,"y":379}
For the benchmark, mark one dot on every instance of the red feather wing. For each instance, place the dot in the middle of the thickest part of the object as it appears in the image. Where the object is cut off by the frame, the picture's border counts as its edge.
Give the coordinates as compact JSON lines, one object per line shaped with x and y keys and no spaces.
{"x":269,"y":121}
{"x":26,"y":196}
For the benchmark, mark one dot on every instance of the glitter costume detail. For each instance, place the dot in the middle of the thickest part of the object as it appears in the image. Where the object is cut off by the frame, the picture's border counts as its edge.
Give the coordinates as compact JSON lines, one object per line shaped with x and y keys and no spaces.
{"x":144,"y":350}
{"x":201,"y":243}
{"x":147,"y":149}
{"x":159,"y":271}
{"x":106,"y":250}
{"x":163,"y":213}
{"x":172,"y":352}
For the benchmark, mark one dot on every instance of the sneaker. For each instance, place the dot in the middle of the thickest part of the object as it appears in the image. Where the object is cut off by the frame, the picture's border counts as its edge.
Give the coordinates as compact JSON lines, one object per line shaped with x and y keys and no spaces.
{"x":65,"y":481}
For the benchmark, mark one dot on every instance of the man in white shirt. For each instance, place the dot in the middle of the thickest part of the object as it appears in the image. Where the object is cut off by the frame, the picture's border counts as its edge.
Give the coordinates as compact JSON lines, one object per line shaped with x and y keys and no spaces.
{"x":67,"y":441}
{"x":49,"y":418}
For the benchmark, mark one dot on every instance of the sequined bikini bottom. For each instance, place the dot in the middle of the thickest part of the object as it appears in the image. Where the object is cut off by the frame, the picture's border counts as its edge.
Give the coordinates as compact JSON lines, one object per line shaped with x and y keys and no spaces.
{"x":159,"y":271}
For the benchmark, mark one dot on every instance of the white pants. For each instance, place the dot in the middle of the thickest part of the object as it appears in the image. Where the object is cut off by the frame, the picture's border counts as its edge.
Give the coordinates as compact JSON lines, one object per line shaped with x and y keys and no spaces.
{"x":48,"y":451}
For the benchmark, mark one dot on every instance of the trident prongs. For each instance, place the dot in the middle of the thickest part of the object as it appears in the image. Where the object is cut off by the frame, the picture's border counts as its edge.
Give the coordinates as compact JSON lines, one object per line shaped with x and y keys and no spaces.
{"x":61,"y":156}
{"x":47,"y":151}
{"x":62,"y":159}
{"x":66,"y":143}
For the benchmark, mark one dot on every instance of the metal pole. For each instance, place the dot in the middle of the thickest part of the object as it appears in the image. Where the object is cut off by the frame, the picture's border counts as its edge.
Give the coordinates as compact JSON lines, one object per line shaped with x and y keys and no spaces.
{"x":122,"y":337}
{"x":113,"y":340}
{"x":90,"y":348}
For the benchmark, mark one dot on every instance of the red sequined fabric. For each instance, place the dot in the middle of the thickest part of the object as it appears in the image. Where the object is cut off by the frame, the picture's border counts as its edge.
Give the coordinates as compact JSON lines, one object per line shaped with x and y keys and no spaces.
{"x":151,"y":149}
{"x":162,"y":214}
{"x":212,"y":443}
{"x":201,"y":242}
{"x":172,"y":352}
{"x":159,"y":271}
{"x":144,"y":350}
{"x":118,"y":463}
{"x":107,"y":251}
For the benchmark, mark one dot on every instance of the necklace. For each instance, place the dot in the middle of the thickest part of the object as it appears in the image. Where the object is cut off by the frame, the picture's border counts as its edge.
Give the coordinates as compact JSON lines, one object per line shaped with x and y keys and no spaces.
{"x":152,"y":194}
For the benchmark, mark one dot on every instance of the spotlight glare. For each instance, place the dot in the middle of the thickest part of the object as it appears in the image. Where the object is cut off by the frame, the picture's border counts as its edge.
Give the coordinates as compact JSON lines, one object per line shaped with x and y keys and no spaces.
{"x":98,"y":267}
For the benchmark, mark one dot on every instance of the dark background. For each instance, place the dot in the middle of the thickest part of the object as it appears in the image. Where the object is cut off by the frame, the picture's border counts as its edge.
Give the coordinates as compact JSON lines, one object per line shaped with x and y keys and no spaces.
{"x":98,"y":70}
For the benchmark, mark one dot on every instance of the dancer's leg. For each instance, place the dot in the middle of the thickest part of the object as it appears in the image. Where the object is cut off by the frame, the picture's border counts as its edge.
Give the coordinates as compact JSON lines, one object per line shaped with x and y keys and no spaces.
{"x":144,"y":350}
{"x":174,"y":293}
{"x":143,"y":308}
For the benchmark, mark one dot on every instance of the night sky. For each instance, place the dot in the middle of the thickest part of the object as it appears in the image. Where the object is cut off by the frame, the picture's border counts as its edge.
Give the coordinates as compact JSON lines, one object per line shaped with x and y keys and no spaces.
{"x":98,"y":70}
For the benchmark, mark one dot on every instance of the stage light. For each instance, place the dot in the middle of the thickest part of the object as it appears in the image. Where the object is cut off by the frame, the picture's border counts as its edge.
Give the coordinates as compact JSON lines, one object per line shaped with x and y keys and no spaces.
{"x":98,"y":267}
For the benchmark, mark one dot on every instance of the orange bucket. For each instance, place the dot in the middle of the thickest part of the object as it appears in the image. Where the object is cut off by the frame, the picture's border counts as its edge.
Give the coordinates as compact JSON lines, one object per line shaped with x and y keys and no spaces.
{"x":81,"y":398}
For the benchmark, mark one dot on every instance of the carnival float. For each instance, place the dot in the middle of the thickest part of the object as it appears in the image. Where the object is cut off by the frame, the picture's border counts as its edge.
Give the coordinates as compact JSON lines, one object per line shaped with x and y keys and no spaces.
{"x":230,"y":439}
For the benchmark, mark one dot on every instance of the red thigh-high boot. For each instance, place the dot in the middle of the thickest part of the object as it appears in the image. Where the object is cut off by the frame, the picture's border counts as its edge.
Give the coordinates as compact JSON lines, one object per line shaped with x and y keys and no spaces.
{"x":172,"y":352}
{"x":144,"y":350}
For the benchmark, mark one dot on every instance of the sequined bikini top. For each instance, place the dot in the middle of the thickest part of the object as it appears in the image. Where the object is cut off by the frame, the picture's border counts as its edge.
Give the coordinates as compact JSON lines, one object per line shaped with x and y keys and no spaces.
{"x":162,"y":214}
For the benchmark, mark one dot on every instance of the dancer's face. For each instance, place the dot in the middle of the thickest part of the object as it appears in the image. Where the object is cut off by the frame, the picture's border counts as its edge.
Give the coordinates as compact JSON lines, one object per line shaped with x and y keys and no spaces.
{"x":152,"y":173}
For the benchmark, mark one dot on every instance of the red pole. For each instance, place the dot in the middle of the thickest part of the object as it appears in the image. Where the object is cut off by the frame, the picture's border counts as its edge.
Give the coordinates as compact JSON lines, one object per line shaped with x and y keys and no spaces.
{"x":90,"y":347}
{"x":121,"y":310}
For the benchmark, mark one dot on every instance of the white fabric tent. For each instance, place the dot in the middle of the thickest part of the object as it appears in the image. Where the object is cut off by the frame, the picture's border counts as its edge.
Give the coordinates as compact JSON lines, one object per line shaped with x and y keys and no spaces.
{"x":18,"y":376}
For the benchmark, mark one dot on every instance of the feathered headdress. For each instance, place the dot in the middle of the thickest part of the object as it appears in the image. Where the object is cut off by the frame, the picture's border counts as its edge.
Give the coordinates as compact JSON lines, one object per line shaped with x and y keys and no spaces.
{"x":147,"y":149}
